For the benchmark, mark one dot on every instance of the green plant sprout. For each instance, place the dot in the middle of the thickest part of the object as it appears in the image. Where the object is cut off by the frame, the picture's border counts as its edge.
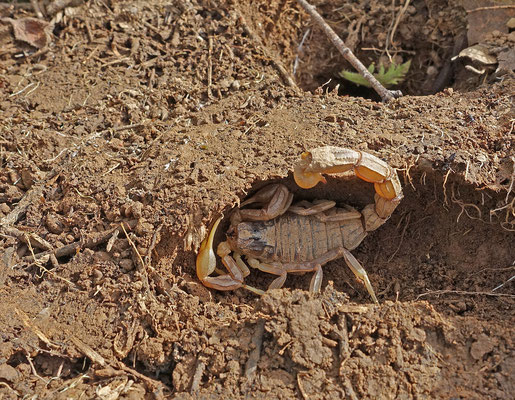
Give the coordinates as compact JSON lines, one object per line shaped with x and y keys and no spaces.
{"x":392,"y":76}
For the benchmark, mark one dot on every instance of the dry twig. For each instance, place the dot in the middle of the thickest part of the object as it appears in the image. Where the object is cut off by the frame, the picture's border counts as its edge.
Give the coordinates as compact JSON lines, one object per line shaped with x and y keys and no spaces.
{"x":301,"y":387}
{"x":92,"y":241}
{"x":386,"y":95}
{"x":344,"y":349}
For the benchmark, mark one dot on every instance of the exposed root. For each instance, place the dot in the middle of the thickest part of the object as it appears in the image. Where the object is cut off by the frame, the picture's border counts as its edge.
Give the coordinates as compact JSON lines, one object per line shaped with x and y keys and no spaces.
{"x":391,"y":33}
{"x":508,"y":224}
{"x":464,"y":206}
{"x":504,"y":283}
{"x":509,"y":219}
{"x":10,"y":388}
{"x":34,"y":372}
{"x":444,"y":188}
{"x":408,"y":217}
{"x":299,"y":382}
{"x":409,"y":165}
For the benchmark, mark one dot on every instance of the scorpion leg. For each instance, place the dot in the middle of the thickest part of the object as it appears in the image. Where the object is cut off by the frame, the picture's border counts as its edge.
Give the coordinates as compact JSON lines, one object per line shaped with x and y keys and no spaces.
{"x":304,"y":207}
{"x":271,"y":269}
{"x":316,"y":280}
{"x":359,"y":272}
{"x":318,"y":208}
{"x":276,"y":199}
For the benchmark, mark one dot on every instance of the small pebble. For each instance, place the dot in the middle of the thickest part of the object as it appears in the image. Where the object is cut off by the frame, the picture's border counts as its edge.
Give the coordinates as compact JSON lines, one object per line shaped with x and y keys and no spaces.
{"x":5,"y":208}
{"x":126,"y":265}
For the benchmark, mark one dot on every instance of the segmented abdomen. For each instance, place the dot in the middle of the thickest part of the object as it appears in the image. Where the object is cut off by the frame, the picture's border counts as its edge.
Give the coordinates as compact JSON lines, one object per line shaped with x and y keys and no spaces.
{"x":295,"y":238}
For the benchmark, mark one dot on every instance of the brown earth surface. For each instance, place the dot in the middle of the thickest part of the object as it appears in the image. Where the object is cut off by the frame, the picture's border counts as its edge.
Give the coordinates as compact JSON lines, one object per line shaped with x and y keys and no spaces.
{"x":125,"y":136}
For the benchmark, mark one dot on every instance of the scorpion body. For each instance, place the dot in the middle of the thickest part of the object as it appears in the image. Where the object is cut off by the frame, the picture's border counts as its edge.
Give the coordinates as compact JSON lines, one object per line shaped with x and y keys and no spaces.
{"x":279,"y":238}
{"x":296,"y":239}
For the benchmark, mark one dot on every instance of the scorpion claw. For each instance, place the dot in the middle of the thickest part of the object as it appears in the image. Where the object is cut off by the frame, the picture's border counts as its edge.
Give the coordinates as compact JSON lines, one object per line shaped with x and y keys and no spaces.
{"x":206,"y":259}
{"x":206,"y":264}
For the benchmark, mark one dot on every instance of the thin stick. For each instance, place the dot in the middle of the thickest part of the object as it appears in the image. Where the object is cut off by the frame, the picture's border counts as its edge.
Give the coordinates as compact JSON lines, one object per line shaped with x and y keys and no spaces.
{"x":26,"y":237}
{"x":209,"y":67}
{"x":29,"y":359}
{"x":504,"y":283}
{"x":8,"y":387}
{"x":344,"y":350}
{"x":401,"y":239}
{"x":396,"y":24}
{"x":386,"y":95}
{"x":299,"y":382}
{"x":489,"y":8}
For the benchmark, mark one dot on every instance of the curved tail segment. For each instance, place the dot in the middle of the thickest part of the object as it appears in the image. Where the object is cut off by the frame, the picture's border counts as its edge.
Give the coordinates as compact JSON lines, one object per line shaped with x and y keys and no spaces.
{"x":333,"y":160}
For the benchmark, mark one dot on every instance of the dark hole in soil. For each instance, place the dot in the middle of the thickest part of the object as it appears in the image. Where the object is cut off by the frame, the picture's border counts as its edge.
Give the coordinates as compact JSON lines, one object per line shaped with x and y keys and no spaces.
{"x":427,"y":33}
{"x":161,"y":372}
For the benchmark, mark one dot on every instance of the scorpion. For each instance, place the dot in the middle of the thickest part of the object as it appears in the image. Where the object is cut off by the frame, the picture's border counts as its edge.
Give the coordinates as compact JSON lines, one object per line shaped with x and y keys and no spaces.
{"x":279,"y":237}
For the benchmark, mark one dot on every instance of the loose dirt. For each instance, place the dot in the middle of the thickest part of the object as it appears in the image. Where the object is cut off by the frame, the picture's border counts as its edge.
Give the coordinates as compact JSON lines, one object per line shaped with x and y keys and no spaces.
{"x":140,"y":122}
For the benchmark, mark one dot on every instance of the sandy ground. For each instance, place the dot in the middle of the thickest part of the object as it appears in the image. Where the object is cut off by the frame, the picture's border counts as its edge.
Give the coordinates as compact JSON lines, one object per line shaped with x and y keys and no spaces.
{"x":141,"y":122}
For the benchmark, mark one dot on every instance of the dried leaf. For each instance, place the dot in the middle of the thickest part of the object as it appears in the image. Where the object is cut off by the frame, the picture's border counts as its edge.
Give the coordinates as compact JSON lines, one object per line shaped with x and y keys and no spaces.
{"x":30,"y":30}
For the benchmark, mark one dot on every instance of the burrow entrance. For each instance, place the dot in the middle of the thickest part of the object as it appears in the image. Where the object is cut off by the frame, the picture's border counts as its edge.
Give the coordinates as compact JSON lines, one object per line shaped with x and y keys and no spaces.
{"x":442,"y":244}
